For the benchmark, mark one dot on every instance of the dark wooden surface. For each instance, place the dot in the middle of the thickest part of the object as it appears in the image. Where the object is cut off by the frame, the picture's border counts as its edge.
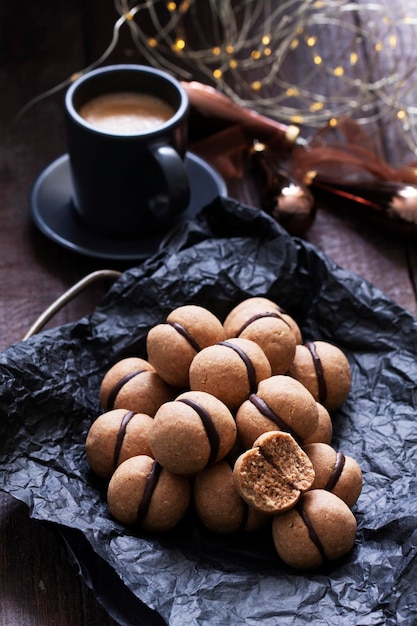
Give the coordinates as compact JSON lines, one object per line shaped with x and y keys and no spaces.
{"x":39,"y":47}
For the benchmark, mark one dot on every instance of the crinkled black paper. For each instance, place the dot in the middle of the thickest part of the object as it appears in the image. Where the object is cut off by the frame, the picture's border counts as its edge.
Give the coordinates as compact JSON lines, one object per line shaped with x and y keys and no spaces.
{"x":49,"y":388}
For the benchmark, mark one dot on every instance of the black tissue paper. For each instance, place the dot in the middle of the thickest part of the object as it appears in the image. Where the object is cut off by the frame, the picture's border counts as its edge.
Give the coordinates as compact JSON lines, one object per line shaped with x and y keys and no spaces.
{"x":49,"y":389}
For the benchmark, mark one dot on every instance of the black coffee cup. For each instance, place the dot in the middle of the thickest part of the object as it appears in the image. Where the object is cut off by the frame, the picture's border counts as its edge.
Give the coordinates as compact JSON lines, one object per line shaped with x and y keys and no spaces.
{"x":128,"y":183}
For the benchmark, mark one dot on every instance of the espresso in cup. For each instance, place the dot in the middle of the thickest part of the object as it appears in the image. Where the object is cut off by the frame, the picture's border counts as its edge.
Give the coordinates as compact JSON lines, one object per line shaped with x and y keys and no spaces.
{"x":127,"y":141}
{"x":126,"y":112}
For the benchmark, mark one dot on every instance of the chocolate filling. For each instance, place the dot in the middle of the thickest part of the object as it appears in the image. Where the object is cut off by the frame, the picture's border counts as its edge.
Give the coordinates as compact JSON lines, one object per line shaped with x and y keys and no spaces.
{"x":248,"y":363}
{"x":121,"y":435}
{"x":319,"y":371}
{"x":212,"y":434}
{"x":311,"y":532}
{"x":125,"y":379}
{"x":260,"y":316}
{"x":337,"y":470}
{"x":150,"y":485}
{"x":266,"y":411}
{"x":184,"y":333}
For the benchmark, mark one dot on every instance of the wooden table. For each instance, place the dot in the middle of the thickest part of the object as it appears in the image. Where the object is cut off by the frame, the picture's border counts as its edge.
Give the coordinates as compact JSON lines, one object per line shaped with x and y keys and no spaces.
{"x":39,"y":47}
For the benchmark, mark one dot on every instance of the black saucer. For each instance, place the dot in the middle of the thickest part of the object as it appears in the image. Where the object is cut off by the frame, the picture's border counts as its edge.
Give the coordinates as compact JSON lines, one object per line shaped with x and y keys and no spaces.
{"x":53,"y":214}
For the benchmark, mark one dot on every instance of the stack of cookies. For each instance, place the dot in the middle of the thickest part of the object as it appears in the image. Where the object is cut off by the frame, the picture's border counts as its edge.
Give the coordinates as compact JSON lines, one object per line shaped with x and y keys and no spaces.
{"x":234,"y":419}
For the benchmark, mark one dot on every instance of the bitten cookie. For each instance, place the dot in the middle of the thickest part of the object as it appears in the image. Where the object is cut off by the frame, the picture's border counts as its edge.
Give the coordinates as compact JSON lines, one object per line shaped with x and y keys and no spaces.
{"x":133,"y":384}
{"x":116,"y":436}
{"x":320,"y":528}
{"x":335,"y":472}
{"x":272,"y":475}
{"x":194,"y":430}
{"x":280,"y":403}
{"x":219,"y":505}
{"x":141,"y":493}
{"x":172,"y":345}
{"x":230,"y":370}
{"x":259,"y":305}
{"x":324,"y":369}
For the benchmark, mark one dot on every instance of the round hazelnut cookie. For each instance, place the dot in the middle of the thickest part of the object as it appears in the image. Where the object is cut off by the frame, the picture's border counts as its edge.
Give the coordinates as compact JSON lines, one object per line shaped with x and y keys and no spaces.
{"x":319,"y":529}
{"x":143,"y":494}
{"x":230,"y":370}
{"x":172,"y":345}
{"x":258,"y":305}
{"x":324,"y":430}
{"x":335,"y":472}
{"x":114,"y":437}
{"x":271,"y":332}
{"x":272,"y":475}
{"x":324,"y":369}
{"x":280,"y":403}
{"x":189,"y":433}
{"x":218,"y":504}
{"x":133,"y":384}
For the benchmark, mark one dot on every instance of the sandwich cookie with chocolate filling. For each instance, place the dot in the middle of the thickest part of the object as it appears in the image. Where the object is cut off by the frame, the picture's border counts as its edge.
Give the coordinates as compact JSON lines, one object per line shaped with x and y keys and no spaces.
{"x":191,"y":432}
{"x":116,"y":436}
{"x":271,"y":331}
{"x":320,"y":529}
{"x":172,"y":345}
{"x":230,"y":370}
{"x":335,"y":472}
{"x":133,"y":384}
{"x":142,"y":493}
{"x":324,"y":430}
{"x":218,"y":504}
{"x":280,"y":403}
{"x":258,"y":306}
{"x":324,"y":369}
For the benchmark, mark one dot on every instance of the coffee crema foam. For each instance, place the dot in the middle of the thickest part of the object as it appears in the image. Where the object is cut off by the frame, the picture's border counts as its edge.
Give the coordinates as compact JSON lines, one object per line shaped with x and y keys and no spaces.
{"x":126,"y":113}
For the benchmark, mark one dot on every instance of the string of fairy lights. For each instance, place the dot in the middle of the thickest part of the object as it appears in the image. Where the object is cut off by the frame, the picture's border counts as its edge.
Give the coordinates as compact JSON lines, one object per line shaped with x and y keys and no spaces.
{"x":248,"y":49}
{"x":297,"y":61}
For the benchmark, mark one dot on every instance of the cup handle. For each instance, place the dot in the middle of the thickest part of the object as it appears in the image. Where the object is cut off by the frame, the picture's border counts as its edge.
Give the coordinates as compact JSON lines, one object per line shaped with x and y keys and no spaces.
{"x":175,"y":175}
